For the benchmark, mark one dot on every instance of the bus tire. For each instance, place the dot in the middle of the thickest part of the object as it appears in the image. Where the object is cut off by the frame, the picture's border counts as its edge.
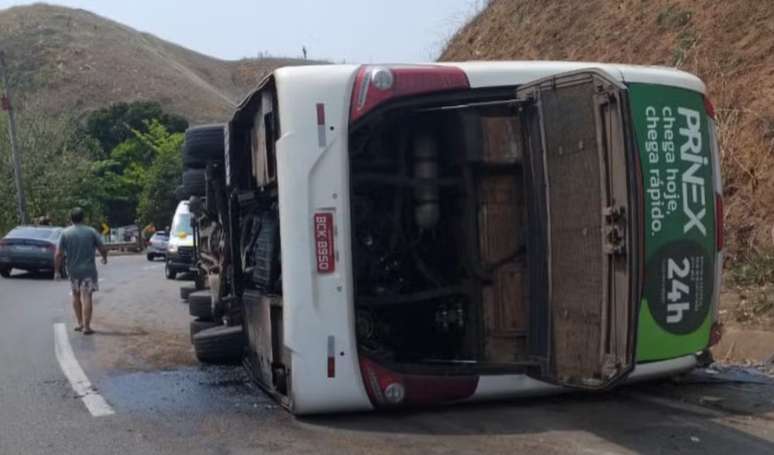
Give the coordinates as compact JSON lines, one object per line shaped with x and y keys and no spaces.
{"x":197,"y":325}
{"x":219,"y":345}
{"x":169,"y":272}
{"x":203,"y":144}
{"x":200,"y":305}
{"x":185,"y":291}
{"x":193,"y":182}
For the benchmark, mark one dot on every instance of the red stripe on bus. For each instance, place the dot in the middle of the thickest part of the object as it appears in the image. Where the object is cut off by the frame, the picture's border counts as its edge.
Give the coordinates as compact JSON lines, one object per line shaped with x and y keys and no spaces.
{"x":320,"y":114}
{"x":331,"y":367}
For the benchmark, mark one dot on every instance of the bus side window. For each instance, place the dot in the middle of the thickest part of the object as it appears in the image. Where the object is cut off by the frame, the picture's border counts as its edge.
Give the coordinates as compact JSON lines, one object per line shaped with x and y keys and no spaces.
{"x":270,"y":139}
{"x":265,"y":132}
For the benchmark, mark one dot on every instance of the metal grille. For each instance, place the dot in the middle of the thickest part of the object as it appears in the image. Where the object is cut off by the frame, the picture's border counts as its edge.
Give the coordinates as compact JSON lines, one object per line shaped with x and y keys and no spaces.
{"x":574,"y":179}
{"x":185,"y":252}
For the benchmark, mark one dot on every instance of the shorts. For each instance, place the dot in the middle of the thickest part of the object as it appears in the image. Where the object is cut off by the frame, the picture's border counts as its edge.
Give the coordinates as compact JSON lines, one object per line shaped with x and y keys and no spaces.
{"x":81,"y":285}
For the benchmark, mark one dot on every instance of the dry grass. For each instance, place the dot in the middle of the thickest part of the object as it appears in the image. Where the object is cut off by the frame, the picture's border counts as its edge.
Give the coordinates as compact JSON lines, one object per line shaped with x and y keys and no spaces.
{"x":71,"y":60}
{"x":730,"y":45}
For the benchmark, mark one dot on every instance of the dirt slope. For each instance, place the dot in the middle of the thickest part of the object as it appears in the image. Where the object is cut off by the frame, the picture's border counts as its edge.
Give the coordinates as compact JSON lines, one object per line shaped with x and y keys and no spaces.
{"x":70,"y":59}
{"x":729,"y":44}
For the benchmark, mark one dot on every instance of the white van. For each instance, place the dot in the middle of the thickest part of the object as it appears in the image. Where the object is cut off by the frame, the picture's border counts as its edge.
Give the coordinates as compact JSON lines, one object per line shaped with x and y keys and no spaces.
{"x":180,"y":248}
{"x":403,"y":235}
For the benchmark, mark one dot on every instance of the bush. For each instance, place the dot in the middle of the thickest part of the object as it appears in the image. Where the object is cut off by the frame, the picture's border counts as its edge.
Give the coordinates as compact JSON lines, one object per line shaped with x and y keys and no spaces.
{"x":56,"y":172}
{"x":157,"y":200}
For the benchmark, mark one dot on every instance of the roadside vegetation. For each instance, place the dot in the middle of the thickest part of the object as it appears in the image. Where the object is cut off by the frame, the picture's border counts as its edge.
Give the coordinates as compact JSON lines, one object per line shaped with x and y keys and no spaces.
{"x":120,"y":163}
{"x":727,"y":44}
{"x":72,"y":73}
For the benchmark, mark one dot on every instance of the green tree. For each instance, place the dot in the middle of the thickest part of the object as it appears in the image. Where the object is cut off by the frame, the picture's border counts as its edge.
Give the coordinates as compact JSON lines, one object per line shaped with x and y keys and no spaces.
{"x":103,"y":167}
{"x":157,"y":201}
{"x":57,"y":173}
{"x":115,"y":124}
{"x":120,"y":179}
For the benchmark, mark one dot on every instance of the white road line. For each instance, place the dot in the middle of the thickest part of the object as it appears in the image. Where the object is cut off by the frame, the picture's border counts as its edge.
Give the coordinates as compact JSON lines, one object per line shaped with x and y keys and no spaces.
{"x":93,"y":401}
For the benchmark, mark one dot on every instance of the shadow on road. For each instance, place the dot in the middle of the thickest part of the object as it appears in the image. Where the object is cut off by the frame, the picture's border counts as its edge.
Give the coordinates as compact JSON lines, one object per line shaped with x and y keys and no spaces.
{"x":198,"y":390}
{"x":619,"y":417}
{"x":32,"y":276}
{"x":120,"y":333}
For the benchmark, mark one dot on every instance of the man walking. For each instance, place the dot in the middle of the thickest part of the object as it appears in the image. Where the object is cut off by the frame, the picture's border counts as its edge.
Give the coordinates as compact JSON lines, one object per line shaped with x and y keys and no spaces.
{"x":77,"y":246}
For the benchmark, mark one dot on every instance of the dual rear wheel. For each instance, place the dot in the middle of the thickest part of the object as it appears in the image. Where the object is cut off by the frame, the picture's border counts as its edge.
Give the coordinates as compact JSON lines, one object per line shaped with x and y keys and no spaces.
{"x":213,"y":342}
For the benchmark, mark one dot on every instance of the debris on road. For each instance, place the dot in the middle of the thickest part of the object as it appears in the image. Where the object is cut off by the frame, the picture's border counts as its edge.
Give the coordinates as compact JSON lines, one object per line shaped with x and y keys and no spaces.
{"x":721,"y":373}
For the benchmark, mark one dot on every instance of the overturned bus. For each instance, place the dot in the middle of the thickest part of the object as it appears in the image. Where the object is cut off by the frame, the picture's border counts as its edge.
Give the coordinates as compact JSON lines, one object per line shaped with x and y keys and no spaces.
{"x":402,"y":235}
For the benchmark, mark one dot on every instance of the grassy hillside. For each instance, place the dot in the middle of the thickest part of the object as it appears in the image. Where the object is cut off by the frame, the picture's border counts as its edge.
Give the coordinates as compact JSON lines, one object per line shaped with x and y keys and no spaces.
{"x":729,"y":44}
{"x":72,"y":60}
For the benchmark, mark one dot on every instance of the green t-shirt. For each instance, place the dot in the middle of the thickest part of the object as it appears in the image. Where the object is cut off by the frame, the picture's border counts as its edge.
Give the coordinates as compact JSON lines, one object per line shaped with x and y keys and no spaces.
{"x":79,"y":244}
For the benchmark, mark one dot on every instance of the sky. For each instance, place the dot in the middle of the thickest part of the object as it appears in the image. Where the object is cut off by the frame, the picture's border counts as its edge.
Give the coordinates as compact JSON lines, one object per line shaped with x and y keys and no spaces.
{"x":337,"y":30}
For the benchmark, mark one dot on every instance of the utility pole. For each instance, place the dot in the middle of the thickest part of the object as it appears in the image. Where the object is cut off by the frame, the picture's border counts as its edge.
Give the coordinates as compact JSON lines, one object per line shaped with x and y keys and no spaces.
{"x":17,"y":173}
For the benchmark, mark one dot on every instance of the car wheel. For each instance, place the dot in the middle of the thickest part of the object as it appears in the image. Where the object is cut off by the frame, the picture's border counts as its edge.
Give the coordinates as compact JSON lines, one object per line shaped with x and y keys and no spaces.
{"x":150,"y":257}
{"x":202,"y":144}
{"x":5,"y":272}
{"x":186,"y":291}
{"x":194,"y":182}
{"x":197,"y":325}
{"x":170,"y":274}
{"x":219,"y":345}
{"x":200,"y":305}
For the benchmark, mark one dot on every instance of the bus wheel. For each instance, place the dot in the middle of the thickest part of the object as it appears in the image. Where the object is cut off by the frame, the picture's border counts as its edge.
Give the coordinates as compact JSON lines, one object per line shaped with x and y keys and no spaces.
{"x":186,"y":291}
{"x":200,"y":305}
{"x":169,"y":273}
{"x":197,"y":325}
{"x":219,"y":345}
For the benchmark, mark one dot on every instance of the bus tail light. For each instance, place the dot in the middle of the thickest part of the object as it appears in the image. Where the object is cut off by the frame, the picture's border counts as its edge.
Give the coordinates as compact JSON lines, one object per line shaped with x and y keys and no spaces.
{"x":387,"y":388}
{"x":375,"y":85}
{"x":709,"y":107}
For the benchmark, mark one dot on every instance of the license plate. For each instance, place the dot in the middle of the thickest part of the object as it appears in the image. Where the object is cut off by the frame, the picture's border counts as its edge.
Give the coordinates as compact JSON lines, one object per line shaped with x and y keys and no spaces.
{"x":323,"y":240}
{"x":24,"y":248}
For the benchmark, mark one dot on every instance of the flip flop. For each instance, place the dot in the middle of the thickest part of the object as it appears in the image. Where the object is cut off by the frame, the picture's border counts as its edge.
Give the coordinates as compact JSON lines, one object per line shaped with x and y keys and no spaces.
{"x":78,"y":328}
{"x":88,"y":332}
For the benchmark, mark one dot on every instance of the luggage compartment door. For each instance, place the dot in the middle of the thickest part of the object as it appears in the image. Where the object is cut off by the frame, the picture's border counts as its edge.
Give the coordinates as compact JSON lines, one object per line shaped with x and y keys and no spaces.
{"x":583,"y":306}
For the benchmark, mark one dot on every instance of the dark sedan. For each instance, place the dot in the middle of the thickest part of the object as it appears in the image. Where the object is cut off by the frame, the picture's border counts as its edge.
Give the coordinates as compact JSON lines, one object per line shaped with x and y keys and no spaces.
{"x":29,"y":248}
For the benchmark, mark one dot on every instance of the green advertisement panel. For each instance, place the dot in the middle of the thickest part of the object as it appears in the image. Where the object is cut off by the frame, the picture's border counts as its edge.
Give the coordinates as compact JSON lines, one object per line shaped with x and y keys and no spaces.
{"x":672,"y":131}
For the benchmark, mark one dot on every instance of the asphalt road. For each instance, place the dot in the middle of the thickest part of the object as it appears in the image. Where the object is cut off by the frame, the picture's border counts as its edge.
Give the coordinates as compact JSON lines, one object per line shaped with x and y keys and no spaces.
{"x":141,"y":363}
